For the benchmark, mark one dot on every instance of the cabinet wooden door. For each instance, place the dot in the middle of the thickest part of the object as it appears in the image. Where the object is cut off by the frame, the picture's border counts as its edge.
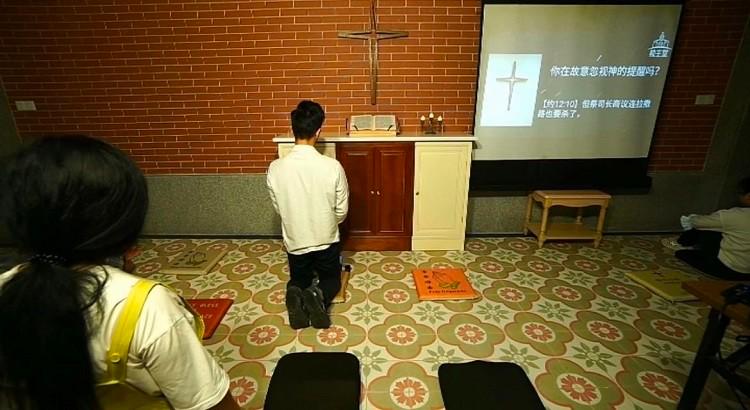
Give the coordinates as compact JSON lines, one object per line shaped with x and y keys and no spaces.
{"x":358,"y":161}
{"x":380,"y":177}
{"x":395,"y":173}
{"x":440,"y":195}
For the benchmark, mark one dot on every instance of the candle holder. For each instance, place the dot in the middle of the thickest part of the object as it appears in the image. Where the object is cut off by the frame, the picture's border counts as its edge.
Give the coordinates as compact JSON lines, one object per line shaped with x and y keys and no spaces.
{"x":430,"y":124}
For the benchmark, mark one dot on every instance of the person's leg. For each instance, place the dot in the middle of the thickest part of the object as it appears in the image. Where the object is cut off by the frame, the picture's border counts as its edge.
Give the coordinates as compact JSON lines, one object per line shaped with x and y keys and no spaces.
{"x":318,"y":296}
{"x":708,"y":240}
{"x":300,"y":270}
{"x":328,"y":266}
{"x":724,"y":272}
{"x":705,"y":254}
{"x":709,"y":264}
{"x":300,"y":277}
{"x":688,"y":238}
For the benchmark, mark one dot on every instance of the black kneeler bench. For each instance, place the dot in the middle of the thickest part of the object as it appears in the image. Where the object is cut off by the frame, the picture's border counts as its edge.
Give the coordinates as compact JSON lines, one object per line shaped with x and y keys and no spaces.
{"x":315,"y":381}
{"x":480,"y":385}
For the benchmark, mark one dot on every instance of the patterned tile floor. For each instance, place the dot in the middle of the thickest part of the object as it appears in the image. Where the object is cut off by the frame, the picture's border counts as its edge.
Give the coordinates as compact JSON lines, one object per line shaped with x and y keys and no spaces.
{"x":588,"y":337}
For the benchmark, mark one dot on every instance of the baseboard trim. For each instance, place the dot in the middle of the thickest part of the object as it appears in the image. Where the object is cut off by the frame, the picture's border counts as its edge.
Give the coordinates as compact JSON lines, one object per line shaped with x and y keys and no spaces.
{"x":205,"y":236}
{"x":468,"y":235}
{"x":608,"y":233}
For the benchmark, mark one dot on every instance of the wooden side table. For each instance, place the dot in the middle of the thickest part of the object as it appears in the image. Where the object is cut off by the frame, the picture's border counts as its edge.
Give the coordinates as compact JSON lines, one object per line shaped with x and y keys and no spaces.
{"x":572,"y":199}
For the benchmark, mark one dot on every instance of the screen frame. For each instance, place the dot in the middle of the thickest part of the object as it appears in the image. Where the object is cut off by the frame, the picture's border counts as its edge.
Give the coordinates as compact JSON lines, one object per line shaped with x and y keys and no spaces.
{"x":512,"y":177}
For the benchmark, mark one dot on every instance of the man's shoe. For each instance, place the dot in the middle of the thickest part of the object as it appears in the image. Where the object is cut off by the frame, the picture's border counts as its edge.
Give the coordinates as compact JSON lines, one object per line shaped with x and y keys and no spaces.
{"x":316,"y":309}
{"x":298,"y":318}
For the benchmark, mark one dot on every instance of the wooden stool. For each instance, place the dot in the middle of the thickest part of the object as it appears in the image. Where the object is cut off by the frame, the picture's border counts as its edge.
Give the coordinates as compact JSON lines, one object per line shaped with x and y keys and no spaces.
{"x":572,"y":199}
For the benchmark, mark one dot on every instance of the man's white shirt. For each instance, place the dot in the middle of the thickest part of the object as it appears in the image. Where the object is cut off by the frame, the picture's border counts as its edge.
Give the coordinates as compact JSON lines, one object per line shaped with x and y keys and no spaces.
{"x":734,"y":225}
{"x":310,"y":192}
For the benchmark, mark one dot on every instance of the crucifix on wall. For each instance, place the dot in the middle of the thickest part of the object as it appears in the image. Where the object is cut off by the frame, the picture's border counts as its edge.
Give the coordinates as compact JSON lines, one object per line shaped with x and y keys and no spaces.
{"x":373,"y":36}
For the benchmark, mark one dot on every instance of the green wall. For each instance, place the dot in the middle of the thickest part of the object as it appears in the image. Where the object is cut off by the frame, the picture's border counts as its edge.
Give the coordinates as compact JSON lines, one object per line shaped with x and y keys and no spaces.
{"x":239,"y":205}
{"x":210,"y":205}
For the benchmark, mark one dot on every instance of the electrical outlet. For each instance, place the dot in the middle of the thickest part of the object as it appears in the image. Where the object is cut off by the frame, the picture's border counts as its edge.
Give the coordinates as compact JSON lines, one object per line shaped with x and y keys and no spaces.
{"x":705,"y":99}
{"x":25,"y":106}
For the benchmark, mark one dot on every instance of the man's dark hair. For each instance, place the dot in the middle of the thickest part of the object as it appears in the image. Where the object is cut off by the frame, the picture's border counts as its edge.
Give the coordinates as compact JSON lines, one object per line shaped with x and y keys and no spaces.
{"x":307,"y":119}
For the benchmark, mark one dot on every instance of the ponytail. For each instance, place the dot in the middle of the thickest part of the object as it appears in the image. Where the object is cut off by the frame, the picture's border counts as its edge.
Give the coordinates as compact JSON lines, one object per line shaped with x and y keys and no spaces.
{"x":44,"y":337}
{"x":71,"y":202}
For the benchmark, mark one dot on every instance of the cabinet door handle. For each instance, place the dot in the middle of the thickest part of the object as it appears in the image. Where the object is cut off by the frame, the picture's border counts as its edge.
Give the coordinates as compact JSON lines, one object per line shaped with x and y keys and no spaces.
{"x":372,"y":192}
{"x":417,"y":193}
{"x":378,"y":193}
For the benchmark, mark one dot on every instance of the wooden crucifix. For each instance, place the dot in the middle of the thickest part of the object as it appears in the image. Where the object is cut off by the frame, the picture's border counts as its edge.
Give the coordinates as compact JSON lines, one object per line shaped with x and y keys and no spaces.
{"x":373,"y":35}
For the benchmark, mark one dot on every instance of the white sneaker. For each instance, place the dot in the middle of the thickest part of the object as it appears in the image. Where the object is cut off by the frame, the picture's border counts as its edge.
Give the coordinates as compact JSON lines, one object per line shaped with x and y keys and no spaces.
{"x":671,"y":243}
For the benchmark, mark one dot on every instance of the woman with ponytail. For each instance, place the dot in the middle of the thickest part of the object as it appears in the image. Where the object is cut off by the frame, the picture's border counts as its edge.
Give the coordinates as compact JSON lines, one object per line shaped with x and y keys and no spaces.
{"x":71,"y":203}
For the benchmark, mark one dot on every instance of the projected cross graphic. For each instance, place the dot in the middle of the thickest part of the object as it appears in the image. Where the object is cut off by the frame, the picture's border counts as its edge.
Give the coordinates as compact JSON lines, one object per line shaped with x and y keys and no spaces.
{"x":508,"y":95}
{"x":512,"y":80}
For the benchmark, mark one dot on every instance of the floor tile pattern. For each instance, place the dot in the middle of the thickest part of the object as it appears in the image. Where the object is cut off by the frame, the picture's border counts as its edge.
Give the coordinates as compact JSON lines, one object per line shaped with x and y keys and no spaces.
{"x":587,"y":336}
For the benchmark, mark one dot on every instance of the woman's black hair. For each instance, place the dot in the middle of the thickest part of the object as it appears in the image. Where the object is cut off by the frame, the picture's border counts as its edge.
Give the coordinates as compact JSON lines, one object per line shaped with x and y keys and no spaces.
{"x":70,"y":202}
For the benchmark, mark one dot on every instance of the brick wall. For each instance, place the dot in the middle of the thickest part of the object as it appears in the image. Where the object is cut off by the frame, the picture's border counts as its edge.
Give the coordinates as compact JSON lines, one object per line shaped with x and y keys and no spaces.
{"x":709,"y":35}
{"x":203,"y":86}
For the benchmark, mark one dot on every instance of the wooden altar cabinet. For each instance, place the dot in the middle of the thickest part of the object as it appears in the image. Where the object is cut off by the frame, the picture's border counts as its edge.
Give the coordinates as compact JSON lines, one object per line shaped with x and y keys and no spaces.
{"x":408,"y":192}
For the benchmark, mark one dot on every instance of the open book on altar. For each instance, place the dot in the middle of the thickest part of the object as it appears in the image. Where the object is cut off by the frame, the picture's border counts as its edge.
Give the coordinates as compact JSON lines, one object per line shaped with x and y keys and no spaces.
{"x":373,"y":125}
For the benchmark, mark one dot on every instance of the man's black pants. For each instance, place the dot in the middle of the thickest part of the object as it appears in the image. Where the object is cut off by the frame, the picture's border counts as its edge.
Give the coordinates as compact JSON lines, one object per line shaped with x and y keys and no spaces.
{"x":705,"y":254}
{"x":326,"y":263}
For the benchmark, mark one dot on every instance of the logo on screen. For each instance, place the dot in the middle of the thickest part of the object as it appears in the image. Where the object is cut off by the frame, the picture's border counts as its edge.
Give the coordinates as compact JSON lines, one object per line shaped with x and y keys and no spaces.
{"x":510,"y":90}
{"x":659,"y":47}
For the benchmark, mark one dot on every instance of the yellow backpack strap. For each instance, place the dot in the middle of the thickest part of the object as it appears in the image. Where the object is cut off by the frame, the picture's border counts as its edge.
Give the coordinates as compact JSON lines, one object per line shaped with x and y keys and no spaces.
{"x":198,"y":325}
{"x":117,"y":356}
{"x":122,"y":335}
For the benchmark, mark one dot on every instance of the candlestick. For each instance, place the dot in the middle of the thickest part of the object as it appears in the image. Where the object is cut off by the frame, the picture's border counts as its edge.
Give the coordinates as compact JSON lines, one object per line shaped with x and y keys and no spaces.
{"x":431,"y":125}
